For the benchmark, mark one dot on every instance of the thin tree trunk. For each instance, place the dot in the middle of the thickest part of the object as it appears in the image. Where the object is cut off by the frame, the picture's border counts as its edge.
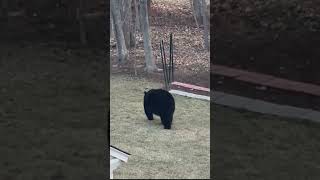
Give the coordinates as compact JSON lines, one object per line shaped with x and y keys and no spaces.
{"x":111,"y":27}
{"x":136,"y":7}
{"x":197,"y":10}
{"x":150,"y":65}
{"x":135,"y":28}
{"x":131,"y":25}
{"x":135,"y":54}
{"x":194,"y":13}
{"x":126,"y":23}
{"x":149,"y":8}
{"x":149,"y":5}
{"x":121,"y":46}
{"x":120,"y":3}
{"x":205,"y":25}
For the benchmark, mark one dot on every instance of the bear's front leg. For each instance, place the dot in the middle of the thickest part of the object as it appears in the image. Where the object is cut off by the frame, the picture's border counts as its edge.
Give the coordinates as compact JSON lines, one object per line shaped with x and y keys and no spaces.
{"x":148,"y":113}
{"x":147,"y":110}
{"x":149,"y":116}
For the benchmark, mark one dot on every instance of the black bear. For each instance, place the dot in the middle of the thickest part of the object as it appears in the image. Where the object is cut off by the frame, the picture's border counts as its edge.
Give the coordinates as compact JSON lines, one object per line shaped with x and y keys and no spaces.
{"x":159,"y":102}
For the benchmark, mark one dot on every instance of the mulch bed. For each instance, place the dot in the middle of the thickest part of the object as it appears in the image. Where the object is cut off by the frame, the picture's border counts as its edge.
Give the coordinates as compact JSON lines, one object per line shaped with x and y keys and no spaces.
{"x":230,"y":85}
{"x":263,"y":37}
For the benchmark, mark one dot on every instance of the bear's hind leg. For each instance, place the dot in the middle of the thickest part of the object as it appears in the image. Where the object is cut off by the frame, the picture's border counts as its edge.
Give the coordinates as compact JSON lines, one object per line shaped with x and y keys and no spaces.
{"x":166,"y":121}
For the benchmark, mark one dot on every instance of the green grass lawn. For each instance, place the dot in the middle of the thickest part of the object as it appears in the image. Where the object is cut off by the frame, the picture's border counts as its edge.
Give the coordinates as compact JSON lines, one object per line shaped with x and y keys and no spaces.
{"x":182,"y":152}
{"x":252,"y":146}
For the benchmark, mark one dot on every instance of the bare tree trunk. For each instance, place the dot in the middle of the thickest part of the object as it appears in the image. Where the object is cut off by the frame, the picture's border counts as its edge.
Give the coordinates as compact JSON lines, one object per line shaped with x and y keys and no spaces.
{"x":197,"y":11}
{"x":149,"y":5}
{"x":131,"y":26}
{"x":111,"y":27}
{"x":194,"y":13}
{"x":205,"y":24}
{"x":136,"y":28}
{"x":112,"y":41}
{"x":149,"y":8}
{"x":126,"y":23}
{"x":136,"y":7}
{"x":150,"y":64}
{"x":121,"y":46}
{"x":120,"y":2}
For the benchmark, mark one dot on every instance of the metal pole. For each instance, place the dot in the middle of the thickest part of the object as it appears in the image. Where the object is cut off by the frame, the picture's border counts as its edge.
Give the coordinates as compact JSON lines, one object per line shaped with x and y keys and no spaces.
{"x":165,"y":63}
{"x":163,"y":66}
{"x":171,"y":57}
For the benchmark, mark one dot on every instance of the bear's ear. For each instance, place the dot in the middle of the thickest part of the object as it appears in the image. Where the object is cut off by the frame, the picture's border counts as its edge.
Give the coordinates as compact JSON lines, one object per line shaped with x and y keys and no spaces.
{"x":145,"y":90}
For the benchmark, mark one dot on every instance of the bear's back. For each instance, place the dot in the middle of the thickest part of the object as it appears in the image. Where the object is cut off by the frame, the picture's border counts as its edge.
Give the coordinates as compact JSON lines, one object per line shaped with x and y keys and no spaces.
{"x":159,"y":100}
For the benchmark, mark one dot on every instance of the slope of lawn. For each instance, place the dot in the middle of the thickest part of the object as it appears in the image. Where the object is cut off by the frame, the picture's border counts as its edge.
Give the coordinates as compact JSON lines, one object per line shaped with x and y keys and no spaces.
{"x":182,"y":152}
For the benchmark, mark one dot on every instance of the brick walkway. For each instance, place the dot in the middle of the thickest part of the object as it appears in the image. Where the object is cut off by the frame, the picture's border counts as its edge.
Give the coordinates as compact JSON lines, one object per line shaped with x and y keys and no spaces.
{"x":266,"y":80}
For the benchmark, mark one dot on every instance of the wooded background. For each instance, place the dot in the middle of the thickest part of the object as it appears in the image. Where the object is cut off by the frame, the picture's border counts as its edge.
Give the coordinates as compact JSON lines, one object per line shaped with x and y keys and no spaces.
{"x":72,"y":20}
{"x":130,"y":18}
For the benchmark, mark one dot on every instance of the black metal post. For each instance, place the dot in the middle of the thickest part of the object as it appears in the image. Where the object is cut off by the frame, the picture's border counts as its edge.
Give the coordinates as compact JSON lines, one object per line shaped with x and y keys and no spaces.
{"x":163,"y":65}
{"x":171,"y":57}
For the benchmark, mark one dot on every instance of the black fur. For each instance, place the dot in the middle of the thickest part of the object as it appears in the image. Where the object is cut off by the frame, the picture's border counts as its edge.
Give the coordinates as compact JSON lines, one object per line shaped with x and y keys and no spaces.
{"x":159,"y":102}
